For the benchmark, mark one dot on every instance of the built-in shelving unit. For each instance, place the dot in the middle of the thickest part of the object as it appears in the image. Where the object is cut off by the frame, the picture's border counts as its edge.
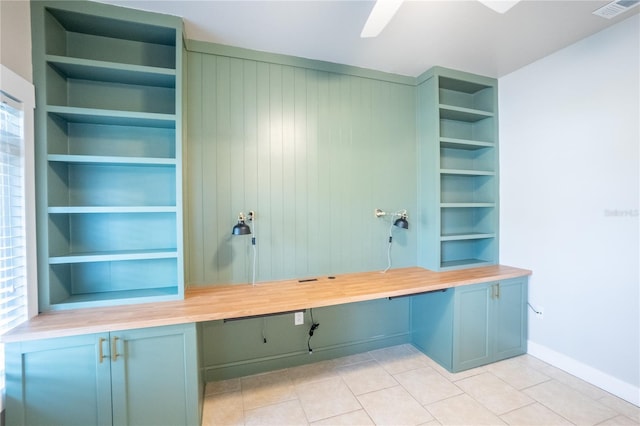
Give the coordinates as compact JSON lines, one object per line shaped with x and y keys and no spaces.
{"x":109,"y":154}
{"x":457,"y":130}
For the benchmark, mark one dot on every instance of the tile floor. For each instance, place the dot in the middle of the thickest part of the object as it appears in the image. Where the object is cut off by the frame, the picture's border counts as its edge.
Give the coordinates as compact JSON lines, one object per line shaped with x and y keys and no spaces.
{"x":401,"y":386}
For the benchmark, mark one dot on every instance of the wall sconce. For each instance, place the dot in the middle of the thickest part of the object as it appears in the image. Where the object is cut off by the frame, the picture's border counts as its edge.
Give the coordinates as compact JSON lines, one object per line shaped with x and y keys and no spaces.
{"x":400,"y":222}
{"x":241,"y":228}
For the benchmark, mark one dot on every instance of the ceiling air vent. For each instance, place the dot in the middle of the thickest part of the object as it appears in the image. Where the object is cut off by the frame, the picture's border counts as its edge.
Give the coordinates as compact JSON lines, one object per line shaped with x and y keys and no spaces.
{"x":615,"y":8}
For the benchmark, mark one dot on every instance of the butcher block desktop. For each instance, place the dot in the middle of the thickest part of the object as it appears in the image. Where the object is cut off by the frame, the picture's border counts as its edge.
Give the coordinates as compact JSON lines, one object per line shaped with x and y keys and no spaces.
{"x":221,"y":302}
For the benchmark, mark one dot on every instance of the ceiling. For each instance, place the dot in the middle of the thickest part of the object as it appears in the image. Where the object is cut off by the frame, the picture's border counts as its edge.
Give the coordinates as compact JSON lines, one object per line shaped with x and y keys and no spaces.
{"x":459,"y":34}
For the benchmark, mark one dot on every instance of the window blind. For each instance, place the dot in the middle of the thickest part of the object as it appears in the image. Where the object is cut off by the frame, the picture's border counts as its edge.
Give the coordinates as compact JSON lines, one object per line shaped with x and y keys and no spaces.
{"x":13,"y":285}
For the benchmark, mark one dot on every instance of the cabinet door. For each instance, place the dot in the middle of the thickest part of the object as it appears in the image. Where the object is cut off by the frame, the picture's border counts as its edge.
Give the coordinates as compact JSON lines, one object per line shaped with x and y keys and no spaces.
{"x":472,"y":326}
{"x":155,"y":376}
{"x":62,"y":381}
{"x":510,"y":316}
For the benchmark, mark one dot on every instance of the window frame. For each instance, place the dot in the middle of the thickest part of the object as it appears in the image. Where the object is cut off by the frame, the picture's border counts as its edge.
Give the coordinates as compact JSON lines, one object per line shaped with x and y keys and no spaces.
{"x":24,"y":92}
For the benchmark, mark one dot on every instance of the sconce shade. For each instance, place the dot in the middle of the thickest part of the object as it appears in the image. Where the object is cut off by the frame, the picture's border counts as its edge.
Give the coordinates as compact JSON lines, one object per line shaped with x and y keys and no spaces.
{"x":241,"y":228}
{"x":401,"y":222}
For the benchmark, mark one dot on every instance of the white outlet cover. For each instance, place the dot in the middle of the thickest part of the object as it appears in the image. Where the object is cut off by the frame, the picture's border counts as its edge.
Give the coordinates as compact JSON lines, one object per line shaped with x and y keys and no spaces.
{"x":298,"y":318}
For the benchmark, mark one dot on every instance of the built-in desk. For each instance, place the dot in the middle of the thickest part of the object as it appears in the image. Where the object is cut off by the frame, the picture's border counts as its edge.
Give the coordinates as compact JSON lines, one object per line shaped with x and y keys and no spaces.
{"x":244,"y":300}
{"x":106,"y":360}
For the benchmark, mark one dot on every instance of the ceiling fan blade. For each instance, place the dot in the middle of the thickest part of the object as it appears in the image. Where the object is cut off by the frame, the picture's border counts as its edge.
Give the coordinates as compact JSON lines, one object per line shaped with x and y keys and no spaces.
{"x":500,"y":6}
{"x":379,"y":17}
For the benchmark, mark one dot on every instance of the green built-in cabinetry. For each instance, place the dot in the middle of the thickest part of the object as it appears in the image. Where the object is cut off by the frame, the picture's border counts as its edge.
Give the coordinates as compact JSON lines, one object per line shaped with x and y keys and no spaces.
{"x":457,"y":124}
{"x":132,"y":377}
{"x":109,"y":164}
{"x":473,"y":325}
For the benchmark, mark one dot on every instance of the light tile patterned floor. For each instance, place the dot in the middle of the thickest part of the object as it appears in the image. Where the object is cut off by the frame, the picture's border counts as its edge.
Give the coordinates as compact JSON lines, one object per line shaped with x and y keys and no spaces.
{"x":401,"y":386}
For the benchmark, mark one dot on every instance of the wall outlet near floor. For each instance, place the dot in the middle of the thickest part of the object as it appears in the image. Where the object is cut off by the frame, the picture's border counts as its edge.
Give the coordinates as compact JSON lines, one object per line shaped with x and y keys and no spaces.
{"x":298,"y":318}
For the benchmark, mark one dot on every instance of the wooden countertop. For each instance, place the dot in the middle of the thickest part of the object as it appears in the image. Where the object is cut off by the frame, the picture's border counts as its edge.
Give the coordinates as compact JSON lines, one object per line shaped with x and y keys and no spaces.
{"x":220,"y":302}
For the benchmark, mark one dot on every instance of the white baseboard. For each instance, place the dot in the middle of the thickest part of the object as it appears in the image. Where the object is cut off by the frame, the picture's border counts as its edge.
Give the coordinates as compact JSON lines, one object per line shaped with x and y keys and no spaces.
{"x":604,"y":381}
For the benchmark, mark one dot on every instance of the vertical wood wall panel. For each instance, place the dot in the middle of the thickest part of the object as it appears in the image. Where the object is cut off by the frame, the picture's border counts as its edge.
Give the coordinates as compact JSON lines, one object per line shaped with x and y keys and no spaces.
{"x":193,"y":200}
{"x":313,"y":153}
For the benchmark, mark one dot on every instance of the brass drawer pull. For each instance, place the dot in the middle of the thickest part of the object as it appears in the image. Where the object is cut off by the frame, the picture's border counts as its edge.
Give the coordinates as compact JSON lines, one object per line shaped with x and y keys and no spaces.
{"x":101,"y":356}
{"x":114,"y":350}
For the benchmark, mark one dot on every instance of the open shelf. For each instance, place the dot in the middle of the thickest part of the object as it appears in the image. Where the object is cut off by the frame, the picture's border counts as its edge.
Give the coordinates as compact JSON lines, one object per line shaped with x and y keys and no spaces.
{"x":464,"y":252}
{"x":458,"y":237}
{"x":460,"y":199}
{"x":465,"y":144}
{"x":466,"y":172}
{"x":468,"y":115}
{"x":66,"y":137}
{"x":112,"y":298}
{"x":482,"y":130}
{"x":97,"y":159}
{"x":112,"y":209}
{"x":107,"y":95}
{"x":135,"y":234}
{"x":113,"y":117}
{"x":109,"y":150}
{"x":467,"y":188}
{"x":480,"y":160}
{"x":75,"y":285}
{"x":89,"y":36}
{"x":466,"y":94}
{"x":464,"y":263}
{"x":467,"y":205}
{"x":113,"y":72}
{"x":113,"y":256}
{"x":100,"y":184}
{"x":473,"y":222}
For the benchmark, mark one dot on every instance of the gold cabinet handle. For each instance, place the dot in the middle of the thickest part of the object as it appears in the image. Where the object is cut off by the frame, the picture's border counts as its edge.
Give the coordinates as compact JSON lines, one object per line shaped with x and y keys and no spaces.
{"x":114,"y":349}
{"x":498,"y":291}
{"x":101,"y":356}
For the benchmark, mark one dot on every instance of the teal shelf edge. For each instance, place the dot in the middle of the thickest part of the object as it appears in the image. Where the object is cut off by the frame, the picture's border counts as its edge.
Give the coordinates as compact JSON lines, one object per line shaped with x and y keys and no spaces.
{"x":452,"y":112}
{"x":112,"y":117}
{"x":464,"y":263}
{"x":469,"y":145}
{"x":113,"y":72}
{"x":113,"y":256}
{"x":119,"y":297}
{"x":467,"y":205}
{"x":462,"y":85}
{"x":108,"y":160}
{"x":466,"y":172}
{"x":111,"y":209}
{"x":467,"y":236}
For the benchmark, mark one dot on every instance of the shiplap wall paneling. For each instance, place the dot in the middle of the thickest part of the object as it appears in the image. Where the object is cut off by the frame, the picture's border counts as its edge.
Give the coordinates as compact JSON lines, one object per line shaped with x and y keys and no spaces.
{"x":312,"y":152}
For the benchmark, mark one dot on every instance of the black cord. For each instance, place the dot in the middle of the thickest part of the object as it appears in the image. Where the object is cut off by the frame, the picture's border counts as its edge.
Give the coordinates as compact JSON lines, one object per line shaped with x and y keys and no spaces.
{"x":314,"y":326}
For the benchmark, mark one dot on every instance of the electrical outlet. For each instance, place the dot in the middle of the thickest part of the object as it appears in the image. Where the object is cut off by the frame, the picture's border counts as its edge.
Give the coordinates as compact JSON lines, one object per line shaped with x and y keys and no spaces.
{"x":540,"y":312}
{"x":298,"y":318}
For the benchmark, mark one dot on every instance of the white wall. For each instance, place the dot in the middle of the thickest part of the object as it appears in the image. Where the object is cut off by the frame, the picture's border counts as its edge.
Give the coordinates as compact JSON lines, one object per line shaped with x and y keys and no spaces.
{"x":15,"y":37}
{"x":569,"y":138}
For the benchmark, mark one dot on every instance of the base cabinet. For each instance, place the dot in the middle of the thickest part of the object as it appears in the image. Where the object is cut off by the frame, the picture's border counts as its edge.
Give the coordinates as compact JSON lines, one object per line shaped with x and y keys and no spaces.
{"x":133,"y":377}
{"x":472,"y":325}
